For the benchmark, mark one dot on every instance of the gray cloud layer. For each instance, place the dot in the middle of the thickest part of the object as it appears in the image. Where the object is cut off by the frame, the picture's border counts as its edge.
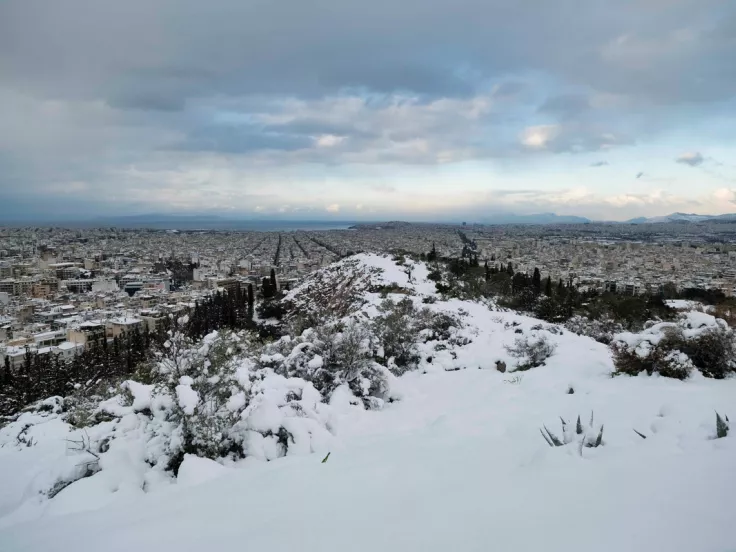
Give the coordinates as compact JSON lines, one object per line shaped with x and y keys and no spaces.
{"x":91,"y":88}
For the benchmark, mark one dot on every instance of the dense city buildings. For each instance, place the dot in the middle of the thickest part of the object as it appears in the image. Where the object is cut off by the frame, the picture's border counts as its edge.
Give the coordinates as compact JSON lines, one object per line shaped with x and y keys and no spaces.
{"x":60,"y":289}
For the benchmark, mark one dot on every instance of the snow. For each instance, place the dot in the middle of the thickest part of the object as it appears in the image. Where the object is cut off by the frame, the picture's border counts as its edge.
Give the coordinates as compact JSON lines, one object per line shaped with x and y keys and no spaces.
{"x":195,"y":470}
{"x":187,"y":397}
{"x":455,"y":462}
{"x":141,"y":394}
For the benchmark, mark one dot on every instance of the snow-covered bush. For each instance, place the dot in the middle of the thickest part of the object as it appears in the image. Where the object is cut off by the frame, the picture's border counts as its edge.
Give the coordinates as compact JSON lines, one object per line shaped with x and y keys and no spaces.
{"x":602,"y":329}
{"x":397,"y":332}
{"x":401,"y":326}
{"x":330,"y":356}
{"x":531,"y":351}
{"x":696,"y":340}
{"x":210,"y":399}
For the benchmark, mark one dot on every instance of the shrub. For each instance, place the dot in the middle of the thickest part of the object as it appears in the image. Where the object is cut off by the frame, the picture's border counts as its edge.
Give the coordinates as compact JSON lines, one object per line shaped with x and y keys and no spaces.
{"x":602,"y":329}
{"x":397,"y":331}
{"x":673,"y":350}
{"x":328,"y":357}
{"x":531,"y":351}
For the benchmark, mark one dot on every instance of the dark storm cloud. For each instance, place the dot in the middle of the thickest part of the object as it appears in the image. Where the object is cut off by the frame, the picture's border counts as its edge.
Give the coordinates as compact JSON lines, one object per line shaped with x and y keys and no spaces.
{"x":189,"y":48}
{"x":240,"y":139}
{"x":565,"y":106}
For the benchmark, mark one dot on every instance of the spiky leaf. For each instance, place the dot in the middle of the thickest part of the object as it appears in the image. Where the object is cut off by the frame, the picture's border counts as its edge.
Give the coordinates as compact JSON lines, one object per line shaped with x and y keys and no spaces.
{"x":552,"y":437}
{"x":546,"y":438}
{"x":579,"y":427}
{"x":599,"y":440}
{"x":721,"y":427}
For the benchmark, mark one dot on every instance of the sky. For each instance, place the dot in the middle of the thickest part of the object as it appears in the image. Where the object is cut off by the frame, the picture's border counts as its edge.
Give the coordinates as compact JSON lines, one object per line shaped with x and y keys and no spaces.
{"x":351,"y":110}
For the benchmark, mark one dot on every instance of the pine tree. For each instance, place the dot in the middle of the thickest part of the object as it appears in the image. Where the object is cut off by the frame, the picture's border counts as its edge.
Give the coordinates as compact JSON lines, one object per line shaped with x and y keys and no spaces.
{"x":251,"y":298}
{"x":537,"y":281}
{"x":548,"y":287}
{"x":6,"y":377}
{"x":510,"y":269}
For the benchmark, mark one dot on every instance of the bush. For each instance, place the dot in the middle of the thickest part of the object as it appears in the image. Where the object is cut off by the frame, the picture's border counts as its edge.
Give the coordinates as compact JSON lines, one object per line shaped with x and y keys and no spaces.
{"x":531,"y":351}
{"x":328,"y":357}
{"x":397,"y":331}
{"x":673,"y":350}
{"x":401,"y":326}
{"x":602,"y":330}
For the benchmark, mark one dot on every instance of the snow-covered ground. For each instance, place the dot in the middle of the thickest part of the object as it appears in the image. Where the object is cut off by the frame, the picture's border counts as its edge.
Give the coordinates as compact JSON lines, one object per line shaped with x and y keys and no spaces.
{"x":457,"y":463}
{"x":685,"y":304}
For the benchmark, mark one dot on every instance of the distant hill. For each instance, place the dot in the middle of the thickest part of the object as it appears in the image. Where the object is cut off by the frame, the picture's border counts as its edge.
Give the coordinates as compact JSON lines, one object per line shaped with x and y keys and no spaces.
{"x":683,"y":217}
{"x":538,"y":218}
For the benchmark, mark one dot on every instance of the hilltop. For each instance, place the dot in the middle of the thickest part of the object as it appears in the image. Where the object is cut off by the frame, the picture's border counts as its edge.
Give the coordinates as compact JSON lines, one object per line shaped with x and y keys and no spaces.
{"x":390,"y":416}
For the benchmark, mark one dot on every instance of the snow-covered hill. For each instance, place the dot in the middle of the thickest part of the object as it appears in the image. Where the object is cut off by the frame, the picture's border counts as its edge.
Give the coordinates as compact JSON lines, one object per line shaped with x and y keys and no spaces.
{"x":453,"y":460}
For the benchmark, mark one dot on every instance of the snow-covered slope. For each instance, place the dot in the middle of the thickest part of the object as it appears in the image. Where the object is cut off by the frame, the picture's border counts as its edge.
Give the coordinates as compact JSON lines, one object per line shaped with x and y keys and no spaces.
{"x":457,"y":463}
{"x":345,"y":286}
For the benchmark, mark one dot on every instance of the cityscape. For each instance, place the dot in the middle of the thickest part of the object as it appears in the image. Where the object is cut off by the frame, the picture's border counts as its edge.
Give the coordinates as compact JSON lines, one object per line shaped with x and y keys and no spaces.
{"x":61,"y":287}
{"x":349,"y":276}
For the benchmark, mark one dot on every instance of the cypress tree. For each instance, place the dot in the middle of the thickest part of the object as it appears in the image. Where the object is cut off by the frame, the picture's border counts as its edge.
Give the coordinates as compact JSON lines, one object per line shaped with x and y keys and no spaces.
{"x":274,"y":284}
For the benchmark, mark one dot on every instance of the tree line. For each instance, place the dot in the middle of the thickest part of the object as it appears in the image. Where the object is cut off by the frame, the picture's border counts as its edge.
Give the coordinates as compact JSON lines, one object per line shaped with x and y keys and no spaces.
{"x":42,"y":375}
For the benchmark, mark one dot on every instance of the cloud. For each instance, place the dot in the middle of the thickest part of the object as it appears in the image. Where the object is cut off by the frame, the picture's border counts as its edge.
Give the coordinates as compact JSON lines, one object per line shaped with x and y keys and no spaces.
{"x":328,"y":140}
{"x":333,"y":208}
{"x":212,"y":106}
{"x":692,"y":158}
{"x":599,"y":164}
{"x":725,"y":195}
{"x":537,"y":137}
{"x":566,"y":105}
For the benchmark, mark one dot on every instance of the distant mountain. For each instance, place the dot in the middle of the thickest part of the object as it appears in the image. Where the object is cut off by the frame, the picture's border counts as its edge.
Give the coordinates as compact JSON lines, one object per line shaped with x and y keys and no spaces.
{"x":213,"y":222}
{"x":538,"y":218}
{"x":683,"y":217}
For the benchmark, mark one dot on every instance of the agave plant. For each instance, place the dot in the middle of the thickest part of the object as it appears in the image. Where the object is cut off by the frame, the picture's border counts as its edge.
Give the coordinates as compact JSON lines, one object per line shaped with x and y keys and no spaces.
{"x":584,"y":436}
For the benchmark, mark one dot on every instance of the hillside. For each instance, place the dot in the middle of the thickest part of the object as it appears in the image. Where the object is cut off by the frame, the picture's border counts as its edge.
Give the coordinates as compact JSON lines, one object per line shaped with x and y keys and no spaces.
{"x":442,"y":452}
